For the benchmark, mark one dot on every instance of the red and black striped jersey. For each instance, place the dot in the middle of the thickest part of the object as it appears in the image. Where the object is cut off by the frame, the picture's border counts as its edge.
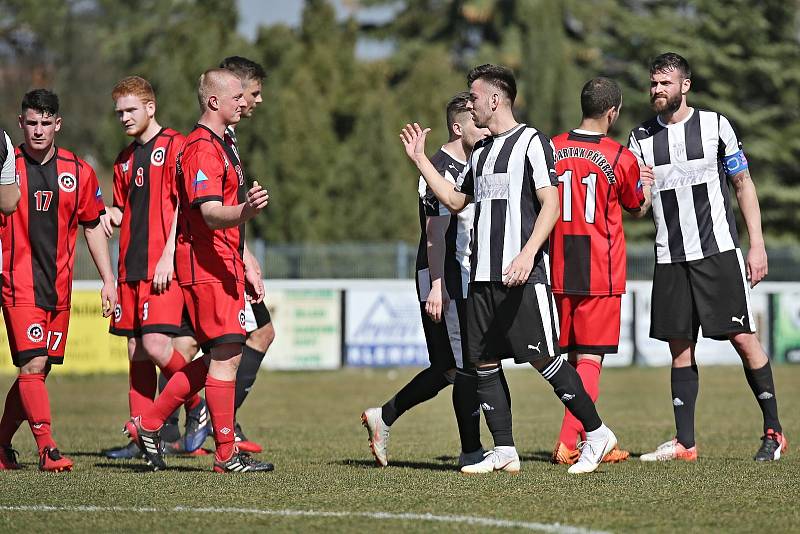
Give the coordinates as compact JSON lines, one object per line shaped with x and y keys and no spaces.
{"x":596,"y":176}
{"x":208,"y":170}
{"x":145,"y":189}
{"x":39,"y":238}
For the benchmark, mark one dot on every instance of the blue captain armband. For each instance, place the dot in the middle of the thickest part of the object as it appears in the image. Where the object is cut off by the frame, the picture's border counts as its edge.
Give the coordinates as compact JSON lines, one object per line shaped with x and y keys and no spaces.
{"x":735,"y":163}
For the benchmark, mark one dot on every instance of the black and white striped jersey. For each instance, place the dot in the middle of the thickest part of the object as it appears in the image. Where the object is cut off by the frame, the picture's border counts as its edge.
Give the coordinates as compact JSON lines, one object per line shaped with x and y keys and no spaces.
{"x":457,"y":236}
{"x":691,"y":198}
{"x":502,"y":175}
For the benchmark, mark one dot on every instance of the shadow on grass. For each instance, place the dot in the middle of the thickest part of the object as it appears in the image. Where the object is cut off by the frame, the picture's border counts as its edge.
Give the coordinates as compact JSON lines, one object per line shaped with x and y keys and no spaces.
{"x":143,"y":468}
{"x":536,"y":456}
{"x":368,"y":464}
{"x":90,"y":454}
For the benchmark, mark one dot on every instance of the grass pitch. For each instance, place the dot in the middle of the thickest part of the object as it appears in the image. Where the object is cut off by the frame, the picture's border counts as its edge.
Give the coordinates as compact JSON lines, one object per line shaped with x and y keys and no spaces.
{"x":310,"y":425}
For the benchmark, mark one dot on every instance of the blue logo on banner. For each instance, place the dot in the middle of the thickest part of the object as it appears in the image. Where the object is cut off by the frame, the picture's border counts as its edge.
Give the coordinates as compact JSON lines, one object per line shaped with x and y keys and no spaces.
{"x":388,"y":335}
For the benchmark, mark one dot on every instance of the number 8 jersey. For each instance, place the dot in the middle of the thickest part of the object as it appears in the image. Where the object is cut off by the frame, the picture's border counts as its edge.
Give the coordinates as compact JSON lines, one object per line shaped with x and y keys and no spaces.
{"x":39,"y":238}
{"x":596,"y":176}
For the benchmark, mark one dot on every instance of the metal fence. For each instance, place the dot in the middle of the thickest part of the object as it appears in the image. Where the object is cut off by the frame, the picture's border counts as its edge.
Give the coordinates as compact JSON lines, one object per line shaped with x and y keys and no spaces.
{"x":396,"y":260}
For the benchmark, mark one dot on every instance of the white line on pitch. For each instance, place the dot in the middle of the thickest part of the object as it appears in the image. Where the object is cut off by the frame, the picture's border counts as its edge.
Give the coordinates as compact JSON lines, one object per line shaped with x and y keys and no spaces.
{"x":555,"y":528}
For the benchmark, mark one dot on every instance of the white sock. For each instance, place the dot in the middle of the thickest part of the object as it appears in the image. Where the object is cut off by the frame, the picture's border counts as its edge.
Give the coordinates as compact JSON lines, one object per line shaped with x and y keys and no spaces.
{"x":600,"y":433}
{"x":506,"y":451}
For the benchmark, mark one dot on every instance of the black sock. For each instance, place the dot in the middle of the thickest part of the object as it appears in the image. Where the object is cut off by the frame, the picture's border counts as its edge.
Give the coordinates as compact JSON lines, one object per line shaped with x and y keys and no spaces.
{"x":172,"y":420}
{"x":505,"y":387}
{"x":495,"y":406}
{"x":568,"y":387}
{"x":467,"y":409}
{"x":246,"y":375}
{"x":425,"y":386}
{"x":685,"y":384}
{"x":763,"y":387}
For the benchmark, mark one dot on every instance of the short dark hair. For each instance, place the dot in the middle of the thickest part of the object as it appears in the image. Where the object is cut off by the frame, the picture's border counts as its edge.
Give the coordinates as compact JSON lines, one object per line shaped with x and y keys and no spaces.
{"x":244,"y":68}
{"x":455,"y":107}
{"x":598,"y":96}
{"x":41,"y":100}
{"x":671,"y":61}
{"x":497,"y":75}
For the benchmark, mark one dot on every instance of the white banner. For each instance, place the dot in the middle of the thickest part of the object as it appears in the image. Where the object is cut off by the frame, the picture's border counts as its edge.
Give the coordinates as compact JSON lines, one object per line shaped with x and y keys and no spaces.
{"x":383,"y":326}
{"x":308,"y":328}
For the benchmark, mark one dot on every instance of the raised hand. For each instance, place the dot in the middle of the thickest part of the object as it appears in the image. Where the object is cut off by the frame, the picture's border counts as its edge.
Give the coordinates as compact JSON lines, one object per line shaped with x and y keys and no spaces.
{"x":413,"y":137}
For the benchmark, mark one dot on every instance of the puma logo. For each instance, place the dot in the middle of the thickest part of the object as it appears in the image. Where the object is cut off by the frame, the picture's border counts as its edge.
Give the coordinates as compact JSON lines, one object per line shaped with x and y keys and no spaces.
{"x":739,"y":320}
{"x":451,"y":166}
{"x":536,"y":348}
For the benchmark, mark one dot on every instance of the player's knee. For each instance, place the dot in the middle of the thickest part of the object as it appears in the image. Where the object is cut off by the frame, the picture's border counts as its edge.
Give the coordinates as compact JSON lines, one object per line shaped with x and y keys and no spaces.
{"x":748,"y":347}
{"x":35,"y":366}
{"x":261,"y":338}
{"x":154,"y":345}
{"x":187,"y":346}
{"x":543,"y":363}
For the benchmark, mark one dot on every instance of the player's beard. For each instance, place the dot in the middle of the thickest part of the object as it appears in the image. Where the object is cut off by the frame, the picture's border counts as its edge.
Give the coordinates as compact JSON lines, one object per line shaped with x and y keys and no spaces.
{"x":671,"y":105}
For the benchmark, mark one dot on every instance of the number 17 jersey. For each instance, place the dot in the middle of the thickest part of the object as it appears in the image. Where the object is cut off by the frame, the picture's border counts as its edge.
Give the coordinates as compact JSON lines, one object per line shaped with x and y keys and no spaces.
{"x":596,"y":177}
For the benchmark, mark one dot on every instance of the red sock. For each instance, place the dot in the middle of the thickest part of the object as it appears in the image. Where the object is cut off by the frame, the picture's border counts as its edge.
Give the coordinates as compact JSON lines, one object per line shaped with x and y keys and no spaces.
{"x":176,"y":363}
{"x":220,"y":396}
{"x":13,"y":415}
{"x":143,"y":384}
{"x":36,"y":403}
{"x":589,"y":372}
{"x":183,"y":384}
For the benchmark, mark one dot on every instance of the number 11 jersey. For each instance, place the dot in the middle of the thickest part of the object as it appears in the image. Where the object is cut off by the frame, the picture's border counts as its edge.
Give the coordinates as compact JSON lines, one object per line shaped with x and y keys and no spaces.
{"x":596,"y":176}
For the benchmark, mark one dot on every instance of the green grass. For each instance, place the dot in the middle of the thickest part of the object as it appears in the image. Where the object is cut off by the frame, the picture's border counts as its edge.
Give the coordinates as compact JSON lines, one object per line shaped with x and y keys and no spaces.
{"x":310,"y":424}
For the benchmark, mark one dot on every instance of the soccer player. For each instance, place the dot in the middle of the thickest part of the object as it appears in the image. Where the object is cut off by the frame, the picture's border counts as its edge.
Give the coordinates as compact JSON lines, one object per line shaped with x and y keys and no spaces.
{"x":442,"y":278}
{"x":149,"y":303}
{"x":9,"y":189}
{"x":258,"y":323}
{"x":701,"y":277}
{"x":597,"y":178}
{"x":511,"y":177}
{"x":215,"y":202}
{"x":59,"y":191}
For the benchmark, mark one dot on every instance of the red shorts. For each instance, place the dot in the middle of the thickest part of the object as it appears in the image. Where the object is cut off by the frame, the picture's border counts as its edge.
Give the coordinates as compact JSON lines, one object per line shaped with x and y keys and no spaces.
{"x":141,"y":311}
{"x":216,"y":311}
{"x":589,"y":324}
{"x":36,"y":332}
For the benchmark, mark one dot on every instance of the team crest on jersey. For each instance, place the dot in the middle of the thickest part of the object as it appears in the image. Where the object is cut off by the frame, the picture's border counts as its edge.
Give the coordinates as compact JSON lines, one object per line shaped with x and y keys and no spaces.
{"x":157,"y":157}
{"x":240,"y":174}
{"x":125,"y":167}
{"x":241,"y":318}
{"x":117,"y":313}
{"x":67,"y":182}
{"x":139,"y":180}
{"x":35,"y":333}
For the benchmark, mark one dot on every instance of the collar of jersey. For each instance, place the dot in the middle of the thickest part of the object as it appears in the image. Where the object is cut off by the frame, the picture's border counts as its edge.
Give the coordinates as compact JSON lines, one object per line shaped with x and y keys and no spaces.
{"x":588,"y":132}
{"x":509,"y":132}
{"x":452,"y":156}
{"x":689,"y":116}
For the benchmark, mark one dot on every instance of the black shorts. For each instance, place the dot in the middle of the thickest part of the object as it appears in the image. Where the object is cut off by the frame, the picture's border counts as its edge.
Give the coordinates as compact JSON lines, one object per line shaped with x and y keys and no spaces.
{"x":506,"y":322}
{"x":711,"y":292}
{"x":261,"y":315}
{"x":444,"y":339}
{"x":186,"y":329}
